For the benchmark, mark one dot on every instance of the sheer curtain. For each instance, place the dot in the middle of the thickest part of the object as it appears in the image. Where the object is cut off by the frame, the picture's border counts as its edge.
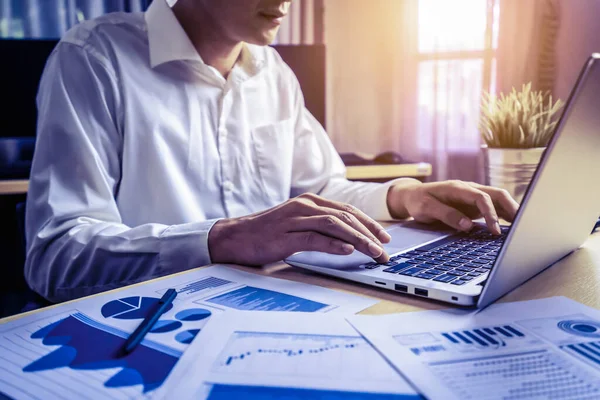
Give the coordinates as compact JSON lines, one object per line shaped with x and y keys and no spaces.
{"x":408,"y":75}
{"x":52,"y":18}
{"x":304,"y":24}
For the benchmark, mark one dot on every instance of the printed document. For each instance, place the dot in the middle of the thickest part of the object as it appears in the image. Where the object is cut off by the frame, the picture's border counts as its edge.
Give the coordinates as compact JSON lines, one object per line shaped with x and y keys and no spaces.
{"x":539,"y":349}
{"x":292,"y":356}
{"x":72,"y":351}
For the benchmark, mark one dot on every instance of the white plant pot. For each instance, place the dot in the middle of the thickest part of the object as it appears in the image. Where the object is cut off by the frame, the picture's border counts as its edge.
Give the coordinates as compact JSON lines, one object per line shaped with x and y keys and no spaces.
{"x":511,"y":169}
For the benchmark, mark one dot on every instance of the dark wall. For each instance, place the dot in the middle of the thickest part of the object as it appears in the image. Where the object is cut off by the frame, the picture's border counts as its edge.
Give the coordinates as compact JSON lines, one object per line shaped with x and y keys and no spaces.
{"x":19,"y":79}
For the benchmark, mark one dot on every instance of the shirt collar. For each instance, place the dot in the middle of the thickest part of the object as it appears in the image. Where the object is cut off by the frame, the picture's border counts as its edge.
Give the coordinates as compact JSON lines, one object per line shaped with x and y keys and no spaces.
{"x":169,"y":42}
{"x":167,"y":39}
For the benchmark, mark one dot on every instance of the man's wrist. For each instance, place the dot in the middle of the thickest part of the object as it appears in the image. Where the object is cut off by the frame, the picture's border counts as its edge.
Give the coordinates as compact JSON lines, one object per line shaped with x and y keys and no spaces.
{"x":397,"y":197}
{"x":217,"y":241}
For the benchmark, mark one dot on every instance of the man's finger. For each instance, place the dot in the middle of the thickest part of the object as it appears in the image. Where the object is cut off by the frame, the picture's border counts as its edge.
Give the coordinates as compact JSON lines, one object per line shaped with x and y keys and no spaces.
{"x":506,"y":206}
{"x":463,"y":193}
{"x":332,"y":226}
{"x":345,"y":212}
{"x":314,"y":241}
{"x":373,"y":226}
{"x":437,"y":210}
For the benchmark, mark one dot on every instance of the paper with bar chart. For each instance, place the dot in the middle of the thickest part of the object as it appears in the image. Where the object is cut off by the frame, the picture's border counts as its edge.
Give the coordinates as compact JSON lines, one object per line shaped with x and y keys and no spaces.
{"x":540,"y":349}
{"x":73,"y":350}
{"x":262,"y":355}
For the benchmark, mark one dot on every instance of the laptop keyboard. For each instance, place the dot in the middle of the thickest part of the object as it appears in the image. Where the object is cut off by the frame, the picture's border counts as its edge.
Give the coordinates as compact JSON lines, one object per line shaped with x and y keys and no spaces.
{"x":456,"y":259}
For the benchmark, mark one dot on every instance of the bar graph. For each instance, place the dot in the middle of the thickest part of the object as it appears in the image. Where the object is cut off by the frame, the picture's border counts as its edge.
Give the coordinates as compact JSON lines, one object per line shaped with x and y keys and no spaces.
{"x":433,"y":345}
{"x":258,"y":299}
{"x":586,"y":352}
{"x":203,"y":284}
{"x":496,"y":336}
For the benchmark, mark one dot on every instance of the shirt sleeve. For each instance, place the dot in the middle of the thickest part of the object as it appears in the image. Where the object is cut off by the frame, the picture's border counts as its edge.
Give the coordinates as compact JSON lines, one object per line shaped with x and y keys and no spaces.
{"x":77,"y":243}
{"x":318,"y":168}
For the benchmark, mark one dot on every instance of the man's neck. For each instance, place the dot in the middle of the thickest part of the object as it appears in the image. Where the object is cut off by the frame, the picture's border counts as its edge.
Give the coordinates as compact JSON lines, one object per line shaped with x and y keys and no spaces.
{"x":212,"y":45}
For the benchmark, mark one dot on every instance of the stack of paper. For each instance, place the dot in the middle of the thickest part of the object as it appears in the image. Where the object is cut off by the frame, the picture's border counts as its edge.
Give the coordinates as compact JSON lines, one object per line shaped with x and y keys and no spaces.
{"x":236,"y":346}
{"x":73,"y":351}
{"x":543,"y":349}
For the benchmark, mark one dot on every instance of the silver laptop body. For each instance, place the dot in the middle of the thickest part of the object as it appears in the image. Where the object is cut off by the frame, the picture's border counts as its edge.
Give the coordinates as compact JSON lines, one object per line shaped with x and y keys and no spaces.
{"x":556,"y":216}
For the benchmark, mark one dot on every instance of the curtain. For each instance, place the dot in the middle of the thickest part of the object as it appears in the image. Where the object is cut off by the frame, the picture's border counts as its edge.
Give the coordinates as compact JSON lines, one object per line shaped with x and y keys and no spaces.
{"x":527,"y":44}
{"x":52,"y":18}
{"x":408,"y":75}
{"x":304,"y":24}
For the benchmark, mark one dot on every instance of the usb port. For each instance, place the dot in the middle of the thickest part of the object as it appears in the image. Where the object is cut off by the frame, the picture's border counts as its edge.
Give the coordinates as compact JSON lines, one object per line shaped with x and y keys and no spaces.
{"x":422,"y":292}
{"x":401,"y":288}
{"x":380,"y":283}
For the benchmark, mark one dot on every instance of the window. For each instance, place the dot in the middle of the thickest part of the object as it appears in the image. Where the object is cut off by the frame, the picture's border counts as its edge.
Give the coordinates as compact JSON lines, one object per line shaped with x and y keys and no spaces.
{"x":456,"y":45}
{"x":52,"y":18}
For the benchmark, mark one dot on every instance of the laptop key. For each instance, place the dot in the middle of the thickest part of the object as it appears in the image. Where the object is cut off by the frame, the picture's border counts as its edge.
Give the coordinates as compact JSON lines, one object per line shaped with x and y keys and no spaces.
{"x":397,"y":268}
{"x":466,"y":278}
{"x":483,"y":271}
{"x":411,"y":271}
{"x":436,"y":271}
{"x":425,"y":275}
{"x":464,"y":269}
{"x":445,"y":278}
{"x":453,"y":264}
{"x":458,"y":282}
{"x":455,"y":272}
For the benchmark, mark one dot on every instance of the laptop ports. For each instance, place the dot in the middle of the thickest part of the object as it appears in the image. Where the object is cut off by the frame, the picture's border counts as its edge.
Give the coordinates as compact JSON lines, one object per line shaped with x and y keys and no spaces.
{"x":401,"y":288}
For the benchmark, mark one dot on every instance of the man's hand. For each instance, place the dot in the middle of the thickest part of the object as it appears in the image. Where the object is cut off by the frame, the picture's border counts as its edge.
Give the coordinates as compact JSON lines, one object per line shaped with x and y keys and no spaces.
{"x":305,"y":223}
{"x":454,"y":203}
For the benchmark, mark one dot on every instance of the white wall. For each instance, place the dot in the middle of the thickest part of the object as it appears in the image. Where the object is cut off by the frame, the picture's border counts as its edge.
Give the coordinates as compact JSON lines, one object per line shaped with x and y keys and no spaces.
{"x":578,"y":37}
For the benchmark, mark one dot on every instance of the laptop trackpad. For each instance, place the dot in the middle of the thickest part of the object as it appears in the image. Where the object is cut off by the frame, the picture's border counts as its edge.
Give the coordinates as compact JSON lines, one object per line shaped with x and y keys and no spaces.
{"x":404,"y":236}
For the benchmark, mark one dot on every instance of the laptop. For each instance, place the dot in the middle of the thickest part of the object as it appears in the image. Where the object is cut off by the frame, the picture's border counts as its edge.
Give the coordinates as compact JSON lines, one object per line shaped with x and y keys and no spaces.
{"x":557,"y":214}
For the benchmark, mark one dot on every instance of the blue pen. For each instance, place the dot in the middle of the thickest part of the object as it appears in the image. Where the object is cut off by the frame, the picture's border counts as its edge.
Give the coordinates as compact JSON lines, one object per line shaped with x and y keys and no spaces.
{"x":138,"y":335}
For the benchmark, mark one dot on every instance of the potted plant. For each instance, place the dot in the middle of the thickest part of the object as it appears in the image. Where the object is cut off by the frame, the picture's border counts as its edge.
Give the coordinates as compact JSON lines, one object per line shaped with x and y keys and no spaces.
{"x":516,"y":129}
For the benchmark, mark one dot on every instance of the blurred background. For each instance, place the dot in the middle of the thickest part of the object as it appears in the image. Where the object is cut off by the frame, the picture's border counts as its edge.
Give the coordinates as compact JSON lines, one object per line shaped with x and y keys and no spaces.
{"x":401,"y":75}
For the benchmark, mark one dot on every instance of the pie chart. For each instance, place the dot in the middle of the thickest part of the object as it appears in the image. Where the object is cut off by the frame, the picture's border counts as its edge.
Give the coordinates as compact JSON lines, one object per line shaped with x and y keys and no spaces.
{"x":581,"y":328}
{"x":135,"y":307}
{"x":186,"y":337}
{"x":165,"y":325}
{"x":193,"y":314}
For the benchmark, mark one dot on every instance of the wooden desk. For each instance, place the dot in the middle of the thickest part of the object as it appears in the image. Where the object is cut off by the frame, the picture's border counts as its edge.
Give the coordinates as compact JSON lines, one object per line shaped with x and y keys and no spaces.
{"x":387,"y":172}
{"x":14,"y":186}
{"x":364,"y":172}
{"x":576,"y":276}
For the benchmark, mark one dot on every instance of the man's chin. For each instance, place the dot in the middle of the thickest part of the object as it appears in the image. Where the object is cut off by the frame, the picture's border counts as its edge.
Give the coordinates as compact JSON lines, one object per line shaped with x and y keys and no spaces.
{"x":263,"y":38}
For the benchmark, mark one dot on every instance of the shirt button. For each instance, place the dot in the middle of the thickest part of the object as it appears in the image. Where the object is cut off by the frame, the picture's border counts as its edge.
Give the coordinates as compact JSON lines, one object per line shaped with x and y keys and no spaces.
{"x":228,"y":186}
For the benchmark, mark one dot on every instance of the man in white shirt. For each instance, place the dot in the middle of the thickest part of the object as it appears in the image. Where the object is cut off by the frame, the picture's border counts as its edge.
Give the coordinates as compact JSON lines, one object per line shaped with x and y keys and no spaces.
{"x":176,"y":138}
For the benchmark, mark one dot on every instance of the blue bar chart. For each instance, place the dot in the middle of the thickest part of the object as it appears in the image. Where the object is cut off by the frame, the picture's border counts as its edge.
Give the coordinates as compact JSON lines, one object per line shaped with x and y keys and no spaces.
{"x":492,"y":337}
{"x":586,"y":352}
{"x":202,"y":284}
{"x":253,"y":298}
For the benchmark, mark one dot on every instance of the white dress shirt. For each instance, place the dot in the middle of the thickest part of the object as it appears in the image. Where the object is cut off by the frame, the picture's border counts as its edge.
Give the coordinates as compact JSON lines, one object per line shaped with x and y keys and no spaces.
{"x":142,"y":147}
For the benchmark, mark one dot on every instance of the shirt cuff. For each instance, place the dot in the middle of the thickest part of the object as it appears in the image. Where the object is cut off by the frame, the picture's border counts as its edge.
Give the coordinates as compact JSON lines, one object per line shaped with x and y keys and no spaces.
{"x":185,"y":246}
{"x":375,"y":203}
